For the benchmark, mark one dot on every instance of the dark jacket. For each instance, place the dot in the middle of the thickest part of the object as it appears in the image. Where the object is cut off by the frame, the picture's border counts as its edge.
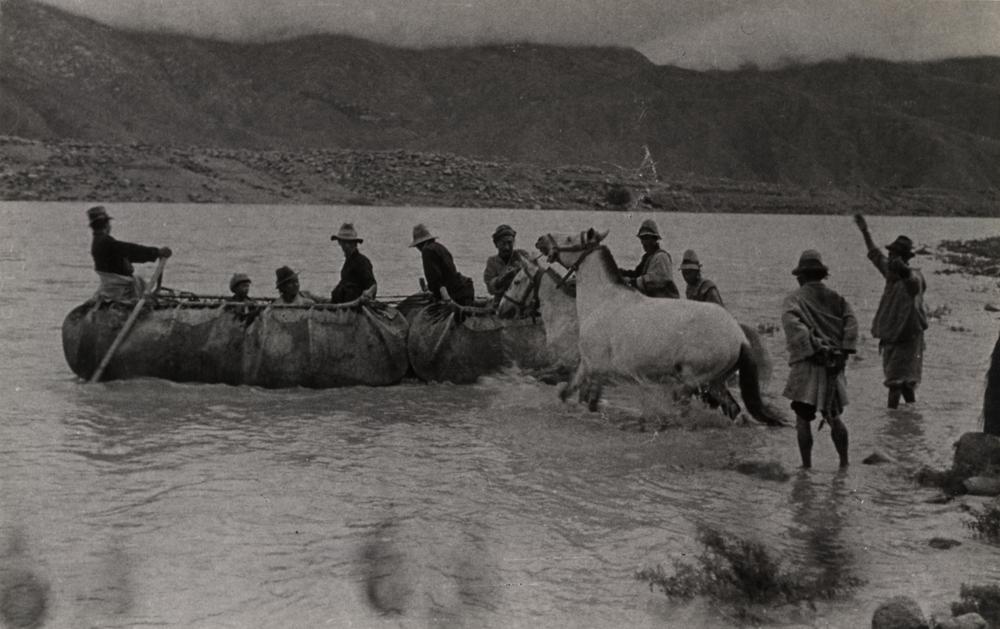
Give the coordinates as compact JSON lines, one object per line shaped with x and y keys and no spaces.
{"x":117,"y":256}
{"x":355,"y":277}
{"x":439,"y":270}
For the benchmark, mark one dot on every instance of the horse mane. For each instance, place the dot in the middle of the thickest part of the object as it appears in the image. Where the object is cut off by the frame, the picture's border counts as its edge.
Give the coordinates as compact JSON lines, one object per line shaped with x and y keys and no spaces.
{"x":608,"y":260}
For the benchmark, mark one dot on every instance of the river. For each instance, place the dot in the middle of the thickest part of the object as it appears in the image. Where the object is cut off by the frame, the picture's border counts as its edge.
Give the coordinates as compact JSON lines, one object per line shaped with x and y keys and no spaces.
{"x":152,"y":503}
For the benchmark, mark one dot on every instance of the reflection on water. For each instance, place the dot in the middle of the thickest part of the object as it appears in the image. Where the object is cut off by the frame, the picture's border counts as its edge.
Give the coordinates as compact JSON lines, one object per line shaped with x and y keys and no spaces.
{"x":903,"y":435}
{"x":491,"y":505}
{"x":819,"y":515}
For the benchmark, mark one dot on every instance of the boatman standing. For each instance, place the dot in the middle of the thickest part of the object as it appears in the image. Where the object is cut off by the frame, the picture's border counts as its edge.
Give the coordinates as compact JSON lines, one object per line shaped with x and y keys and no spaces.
{"x":820,"y":331}
{"x":501,"y":268}
{"x":356,"y":276}
{"x":654,"y":277}
{"x":901,"y":318}
{"x":698,"y":288}
{"x":443,"y":279}
{"x":113,"y":259}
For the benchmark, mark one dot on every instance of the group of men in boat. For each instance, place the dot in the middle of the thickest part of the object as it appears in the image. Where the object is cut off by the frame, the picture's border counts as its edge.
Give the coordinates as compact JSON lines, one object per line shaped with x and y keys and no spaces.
{"x":820,"y":327}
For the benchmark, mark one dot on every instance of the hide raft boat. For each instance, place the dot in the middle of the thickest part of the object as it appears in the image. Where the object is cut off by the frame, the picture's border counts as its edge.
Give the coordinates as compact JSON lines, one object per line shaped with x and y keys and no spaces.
{"x":451,"y":343}
{"x":261,"y":343}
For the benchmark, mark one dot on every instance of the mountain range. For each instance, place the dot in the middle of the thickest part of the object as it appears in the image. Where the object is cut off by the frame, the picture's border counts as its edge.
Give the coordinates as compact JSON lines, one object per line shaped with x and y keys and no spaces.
{"x":850,"y":124}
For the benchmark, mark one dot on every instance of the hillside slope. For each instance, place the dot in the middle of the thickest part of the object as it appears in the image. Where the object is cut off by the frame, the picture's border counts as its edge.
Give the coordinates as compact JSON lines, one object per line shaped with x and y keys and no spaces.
{"x":851,"y":124}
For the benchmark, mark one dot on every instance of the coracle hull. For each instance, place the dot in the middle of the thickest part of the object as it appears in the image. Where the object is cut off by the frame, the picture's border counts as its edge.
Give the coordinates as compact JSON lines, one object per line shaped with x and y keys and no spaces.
{"x":259,"y":344}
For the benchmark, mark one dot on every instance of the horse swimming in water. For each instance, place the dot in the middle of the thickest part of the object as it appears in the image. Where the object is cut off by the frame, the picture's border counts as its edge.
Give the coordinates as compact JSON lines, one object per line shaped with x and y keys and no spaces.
{"x":624,"y":333}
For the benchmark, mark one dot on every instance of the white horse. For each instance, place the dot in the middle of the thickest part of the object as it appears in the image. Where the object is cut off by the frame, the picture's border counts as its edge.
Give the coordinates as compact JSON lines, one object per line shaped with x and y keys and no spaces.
{"x":542,"y":289}
{"x":624,"y":333}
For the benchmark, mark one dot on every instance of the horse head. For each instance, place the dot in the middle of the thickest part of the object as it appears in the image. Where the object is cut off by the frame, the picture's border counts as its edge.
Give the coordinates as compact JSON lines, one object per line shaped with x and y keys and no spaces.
{"x":521,"y":296}
{"x":568,"y":249}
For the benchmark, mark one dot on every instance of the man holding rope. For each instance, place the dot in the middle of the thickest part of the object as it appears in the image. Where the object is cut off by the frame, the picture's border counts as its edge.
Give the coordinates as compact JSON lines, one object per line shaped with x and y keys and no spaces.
{"x":113,"y":259}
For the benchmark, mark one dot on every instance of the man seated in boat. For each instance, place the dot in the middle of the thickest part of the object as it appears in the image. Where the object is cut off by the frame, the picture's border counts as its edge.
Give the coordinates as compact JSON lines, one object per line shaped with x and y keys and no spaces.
{"x":443,"y":279}
{"x":287,"y":283}
{"x":356,"y":276}
{"x":698,"y":288}
{"x":654,"y":277}
{"x":113,"y":259}
{"x":501,"y":268}
{"x":240,"y":287}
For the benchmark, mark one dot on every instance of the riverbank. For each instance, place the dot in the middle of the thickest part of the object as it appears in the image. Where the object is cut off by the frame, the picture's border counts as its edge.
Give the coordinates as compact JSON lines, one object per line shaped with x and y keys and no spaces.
{"x":32,"y":170}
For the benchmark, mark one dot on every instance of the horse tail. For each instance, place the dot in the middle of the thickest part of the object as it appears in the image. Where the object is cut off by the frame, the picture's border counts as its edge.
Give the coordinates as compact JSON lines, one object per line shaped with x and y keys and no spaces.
{"x":760,"y":354}
{"x":750,"y":389}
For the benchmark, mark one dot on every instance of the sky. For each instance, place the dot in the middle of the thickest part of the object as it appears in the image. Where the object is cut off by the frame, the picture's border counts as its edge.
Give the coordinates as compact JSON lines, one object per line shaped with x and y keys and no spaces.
{"x":696,"y":34}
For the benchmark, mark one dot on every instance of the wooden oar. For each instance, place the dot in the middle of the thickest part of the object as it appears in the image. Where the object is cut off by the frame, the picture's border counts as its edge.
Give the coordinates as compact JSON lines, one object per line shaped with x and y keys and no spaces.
{"x":129,"y":322}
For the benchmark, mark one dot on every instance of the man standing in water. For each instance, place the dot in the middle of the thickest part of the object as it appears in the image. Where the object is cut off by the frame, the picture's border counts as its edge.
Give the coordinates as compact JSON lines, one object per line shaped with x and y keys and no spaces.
{"x":356,"y":276}
{"x":820,"y":331}
{"x":443,"y":279}
{"x":901,"y":319}
{"x":501,"y":268}
{"x":654,"y":277}
{"x":698,"y":288}
{"x":113,"y":258}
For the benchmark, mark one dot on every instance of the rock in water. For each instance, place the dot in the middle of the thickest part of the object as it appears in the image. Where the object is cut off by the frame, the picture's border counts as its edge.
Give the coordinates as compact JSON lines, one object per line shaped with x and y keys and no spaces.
{"x":876,"y":458}
{"x":23,"y":599}
{"x":976,"y":454}
{"x":965,"y":621}
{"x":943,"y":543}
{"x":982,"y":485}
{"x":899,"y":612}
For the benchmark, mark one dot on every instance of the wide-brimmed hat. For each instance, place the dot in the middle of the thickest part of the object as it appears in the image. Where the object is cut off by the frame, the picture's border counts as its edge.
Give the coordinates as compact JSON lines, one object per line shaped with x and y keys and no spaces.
{"x":902,"y":245}
{"x":283,"y":275}
{"x":238,"y":278}
{"x":648,"y":228}
{"x":810,"y":260}
{"x":421,"y":234}
{"x":503,"y":230}
{"x":348,"y":233}
{"x":690,"y":260}
{"x":97,"y":213}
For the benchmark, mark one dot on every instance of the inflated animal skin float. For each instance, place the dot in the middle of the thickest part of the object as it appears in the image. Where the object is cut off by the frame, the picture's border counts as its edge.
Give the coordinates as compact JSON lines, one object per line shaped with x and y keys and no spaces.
{"x":450,"y":343}
{"x":258,"y":342}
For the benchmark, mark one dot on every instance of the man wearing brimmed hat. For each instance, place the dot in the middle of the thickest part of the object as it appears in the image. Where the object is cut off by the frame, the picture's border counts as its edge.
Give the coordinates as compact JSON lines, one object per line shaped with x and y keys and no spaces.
{"x":654,"y":276}
{"x":501,"y":268}
{"x":698,"y":288}
{"x":820,"y":332}
{"x":240,"y":287}
{"x":443,"y":279}
{"x":113,"y":259}
{"x":901,"y":317}
{"x":356,"y":276}
{"x":287,"y":283}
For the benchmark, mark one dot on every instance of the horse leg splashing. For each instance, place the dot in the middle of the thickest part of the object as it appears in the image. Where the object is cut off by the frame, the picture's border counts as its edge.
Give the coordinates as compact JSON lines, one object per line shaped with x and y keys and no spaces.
{"x":625,"y":334}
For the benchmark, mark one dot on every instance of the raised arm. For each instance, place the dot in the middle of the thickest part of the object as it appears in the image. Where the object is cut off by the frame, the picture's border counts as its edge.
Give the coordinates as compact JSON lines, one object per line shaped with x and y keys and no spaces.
{"x":862,"y":224}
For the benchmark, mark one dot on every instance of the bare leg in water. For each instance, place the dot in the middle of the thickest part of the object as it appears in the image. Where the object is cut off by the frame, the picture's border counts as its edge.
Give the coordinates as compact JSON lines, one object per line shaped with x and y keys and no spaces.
{"x":838,"y":432}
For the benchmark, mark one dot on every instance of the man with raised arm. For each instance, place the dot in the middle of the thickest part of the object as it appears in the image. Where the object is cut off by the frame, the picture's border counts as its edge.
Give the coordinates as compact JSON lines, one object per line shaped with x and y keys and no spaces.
{"x":901,"y":318}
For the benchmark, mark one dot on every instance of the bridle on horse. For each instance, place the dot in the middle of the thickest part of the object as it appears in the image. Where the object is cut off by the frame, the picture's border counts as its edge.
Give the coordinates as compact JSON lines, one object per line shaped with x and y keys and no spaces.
{"x":585,"y":245}
{"x":536,"y":281}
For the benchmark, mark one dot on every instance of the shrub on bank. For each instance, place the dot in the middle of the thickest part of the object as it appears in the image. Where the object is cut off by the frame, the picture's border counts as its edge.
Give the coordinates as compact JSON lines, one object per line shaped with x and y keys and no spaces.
{"x":742,"y":572}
